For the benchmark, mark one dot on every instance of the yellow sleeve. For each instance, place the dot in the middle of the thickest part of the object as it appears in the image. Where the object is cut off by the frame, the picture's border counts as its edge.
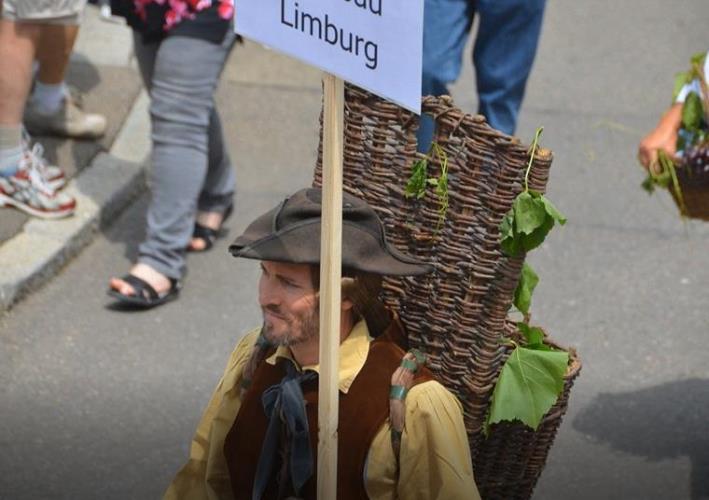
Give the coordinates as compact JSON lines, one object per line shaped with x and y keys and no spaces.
{"x":205,"y":475}
{"x":435,"y":458}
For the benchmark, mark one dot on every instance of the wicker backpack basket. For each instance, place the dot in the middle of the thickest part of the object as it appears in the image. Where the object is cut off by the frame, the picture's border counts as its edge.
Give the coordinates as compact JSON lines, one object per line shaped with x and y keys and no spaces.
{"x":458,"y":314}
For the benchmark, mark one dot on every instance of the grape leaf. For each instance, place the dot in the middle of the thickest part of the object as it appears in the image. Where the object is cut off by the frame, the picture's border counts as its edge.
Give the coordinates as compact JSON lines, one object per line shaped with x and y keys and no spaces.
{"x":507,"y":226}
{"x":692,"y":112}
{"x":532,"y":241}
{"x":528,"y":222}
{"x":528,"y":280}
{"x":510,"y":245}
{"x":529,"y":213}
{"x":529,"y":385}
{"x":552,"y":210}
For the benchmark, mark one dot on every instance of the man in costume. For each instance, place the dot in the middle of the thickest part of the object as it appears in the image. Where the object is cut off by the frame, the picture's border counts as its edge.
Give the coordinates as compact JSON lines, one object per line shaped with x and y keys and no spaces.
{"x":401,"y":433}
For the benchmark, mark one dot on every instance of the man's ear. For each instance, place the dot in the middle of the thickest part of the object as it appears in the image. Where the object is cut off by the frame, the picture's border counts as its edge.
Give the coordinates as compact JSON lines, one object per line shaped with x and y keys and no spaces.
{"x":346,"y":303}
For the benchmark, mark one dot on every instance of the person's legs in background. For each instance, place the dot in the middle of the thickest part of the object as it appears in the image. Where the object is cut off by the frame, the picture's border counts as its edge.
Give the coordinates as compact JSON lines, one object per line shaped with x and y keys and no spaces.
{"x":21,"y":183}
{"x":51,"y":108}
{"x":445,"y":30}
{"x":55,"y":46}
{"x":188,"y":157}
{"x":505,"y":46}
{"x":217,"y":195}
{"x":18,"y":42}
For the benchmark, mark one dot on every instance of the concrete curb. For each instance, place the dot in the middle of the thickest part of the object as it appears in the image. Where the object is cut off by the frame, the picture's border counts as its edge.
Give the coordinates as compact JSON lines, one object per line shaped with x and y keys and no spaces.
{"x":102,"y":191}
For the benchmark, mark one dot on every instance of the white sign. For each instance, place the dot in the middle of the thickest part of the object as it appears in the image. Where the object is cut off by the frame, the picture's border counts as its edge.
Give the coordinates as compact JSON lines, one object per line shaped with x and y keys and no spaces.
{"x":375,"y":44}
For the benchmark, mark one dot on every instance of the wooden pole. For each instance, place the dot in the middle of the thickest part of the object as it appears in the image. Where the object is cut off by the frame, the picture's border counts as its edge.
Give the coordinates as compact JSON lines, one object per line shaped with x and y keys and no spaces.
{"x":330,"y":278}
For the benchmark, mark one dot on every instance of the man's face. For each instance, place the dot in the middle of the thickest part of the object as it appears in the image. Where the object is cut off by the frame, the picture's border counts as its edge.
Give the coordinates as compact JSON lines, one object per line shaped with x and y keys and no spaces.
{"x":289,"y":303}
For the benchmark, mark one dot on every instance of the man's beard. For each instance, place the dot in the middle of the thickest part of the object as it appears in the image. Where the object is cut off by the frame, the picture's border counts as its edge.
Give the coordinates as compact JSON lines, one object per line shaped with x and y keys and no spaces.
{"x":300,"y":329}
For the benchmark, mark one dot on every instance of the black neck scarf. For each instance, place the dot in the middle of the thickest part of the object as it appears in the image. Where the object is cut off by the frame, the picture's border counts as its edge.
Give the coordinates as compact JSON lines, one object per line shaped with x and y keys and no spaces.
{"x":284,"y":406}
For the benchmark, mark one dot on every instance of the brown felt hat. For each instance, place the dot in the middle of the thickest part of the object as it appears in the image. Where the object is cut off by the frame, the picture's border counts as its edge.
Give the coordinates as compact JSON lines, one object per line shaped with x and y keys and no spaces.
{"x":291,"y":233}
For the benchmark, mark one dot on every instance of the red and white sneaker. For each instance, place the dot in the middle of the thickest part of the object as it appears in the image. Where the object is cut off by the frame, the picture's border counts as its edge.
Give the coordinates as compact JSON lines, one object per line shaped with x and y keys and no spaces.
{"x":28,"y":191}
{"x":53,"y":175}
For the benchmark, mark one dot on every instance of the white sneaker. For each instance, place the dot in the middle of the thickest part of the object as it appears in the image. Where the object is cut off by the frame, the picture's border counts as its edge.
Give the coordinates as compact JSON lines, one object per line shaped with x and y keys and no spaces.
{"x":52,"y":175}
{"x":68,"y":121}
{"x":28,"y":191}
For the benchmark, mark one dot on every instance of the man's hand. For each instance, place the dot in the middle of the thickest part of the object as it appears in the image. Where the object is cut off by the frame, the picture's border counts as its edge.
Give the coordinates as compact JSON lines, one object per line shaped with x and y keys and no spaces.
{"x":663,"y":137}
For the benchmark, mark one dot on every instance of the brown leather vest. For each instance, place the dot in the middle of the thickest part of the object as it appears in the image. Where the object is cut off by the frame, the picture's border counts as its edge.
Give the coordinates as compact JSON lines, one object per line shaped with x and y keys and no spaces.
{"x":363,"y":410}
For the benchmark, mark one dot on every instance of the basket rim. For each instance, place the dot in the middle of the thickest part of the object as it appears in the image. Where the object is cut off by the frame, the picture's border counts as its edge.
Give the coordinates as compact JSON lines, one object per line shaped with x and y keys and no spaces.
{"x":575,"y":364}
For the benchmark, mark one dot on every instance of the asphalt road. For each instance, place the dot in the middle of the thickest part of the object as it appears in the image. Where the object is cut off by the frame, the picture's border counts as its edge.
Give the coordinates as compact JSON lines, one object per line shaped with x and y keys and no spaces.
{"x":98,"y":403}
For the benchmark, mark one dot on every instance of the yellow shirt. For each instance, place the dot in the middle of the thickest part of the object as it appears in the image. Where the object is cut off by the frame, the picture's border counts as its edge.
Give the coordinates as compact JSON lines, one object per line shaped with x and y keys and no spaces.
{"x":434,"y":461}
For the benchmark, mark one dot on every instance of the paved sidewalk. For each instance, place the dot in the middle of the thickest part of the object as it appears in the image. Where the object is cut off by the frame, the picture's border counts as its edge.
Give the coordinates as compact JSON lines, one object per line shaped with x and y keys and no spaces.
{"x":105,"y":174}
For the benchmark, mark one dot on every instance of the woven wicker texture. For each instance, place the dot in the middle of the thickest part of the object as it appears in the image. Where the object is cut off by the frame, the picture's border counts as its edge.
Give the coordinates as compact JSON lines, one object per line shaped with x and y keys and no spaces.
{"x":695,"y":194}
{"x":458,"y":314}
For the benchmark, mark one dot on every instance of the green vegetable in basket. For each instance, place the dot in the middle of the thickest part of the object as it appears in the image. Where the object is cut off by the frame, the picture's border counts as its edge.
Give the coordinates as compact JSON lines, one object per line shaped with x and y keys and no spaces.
{"x":531,"y":217}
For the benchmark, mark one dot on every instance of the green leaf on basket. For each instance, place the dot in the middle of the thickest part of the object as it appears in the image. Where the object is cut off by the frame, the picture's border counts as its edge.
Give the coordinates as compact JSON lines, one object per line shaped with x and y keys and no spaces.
{"x":512,"y":246}
{"x":528,"y":222}
{"x":416,"y":186}
{"x":507,"y":226}
{"x":529,"y":213}
{"x":419,"y":180}
{"x":692,"y":112}
{"x":529,"y":385}
{"x":531,"y":217}
{"x":532,"y":241}
{"x":534,"y":336}
{"x":528,"y":280}
{"x":553,"y":211}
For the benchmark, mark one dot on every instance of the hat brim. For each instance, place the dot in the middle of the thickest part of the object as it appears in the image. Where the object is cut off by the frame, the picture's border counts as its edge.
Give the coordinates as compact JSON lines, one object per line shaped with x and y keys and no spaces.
{"x":300,"y":244}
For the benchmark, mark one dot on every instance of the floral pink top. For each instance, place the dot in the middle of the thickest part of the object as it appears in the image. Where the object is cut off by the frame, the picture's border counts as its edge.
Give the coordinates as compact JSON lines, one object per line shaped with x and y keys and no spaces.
{"x":156,"y":19}
{"x":177,"y":10}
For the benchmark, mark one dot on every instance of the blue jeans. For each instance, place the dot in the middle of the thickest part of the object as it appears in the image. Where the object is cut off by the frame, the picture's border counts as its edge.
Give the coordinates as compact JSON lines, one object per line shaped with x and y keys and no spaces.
{"x":503,"y":54}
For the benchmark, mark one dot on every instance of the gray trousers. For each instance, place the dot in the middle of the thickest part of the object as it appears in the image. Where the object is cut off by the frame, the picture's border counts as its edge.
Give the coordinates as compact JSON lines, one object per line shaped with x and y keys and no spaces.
{"x":191,"y":169}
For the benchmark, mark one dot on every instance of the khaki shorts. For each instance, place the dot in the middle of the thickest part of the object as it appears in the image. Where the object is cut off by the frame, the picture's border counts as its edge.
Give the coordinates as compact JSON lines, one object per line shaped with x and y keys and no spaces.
{"x":43,"y":11}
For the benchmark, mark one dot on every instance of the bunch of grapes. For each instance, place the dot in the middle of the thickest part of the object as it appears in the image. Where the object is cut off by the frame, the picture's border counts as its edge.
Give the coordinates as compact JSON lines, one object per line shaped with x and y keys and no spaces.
{"x":696,"y":159}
